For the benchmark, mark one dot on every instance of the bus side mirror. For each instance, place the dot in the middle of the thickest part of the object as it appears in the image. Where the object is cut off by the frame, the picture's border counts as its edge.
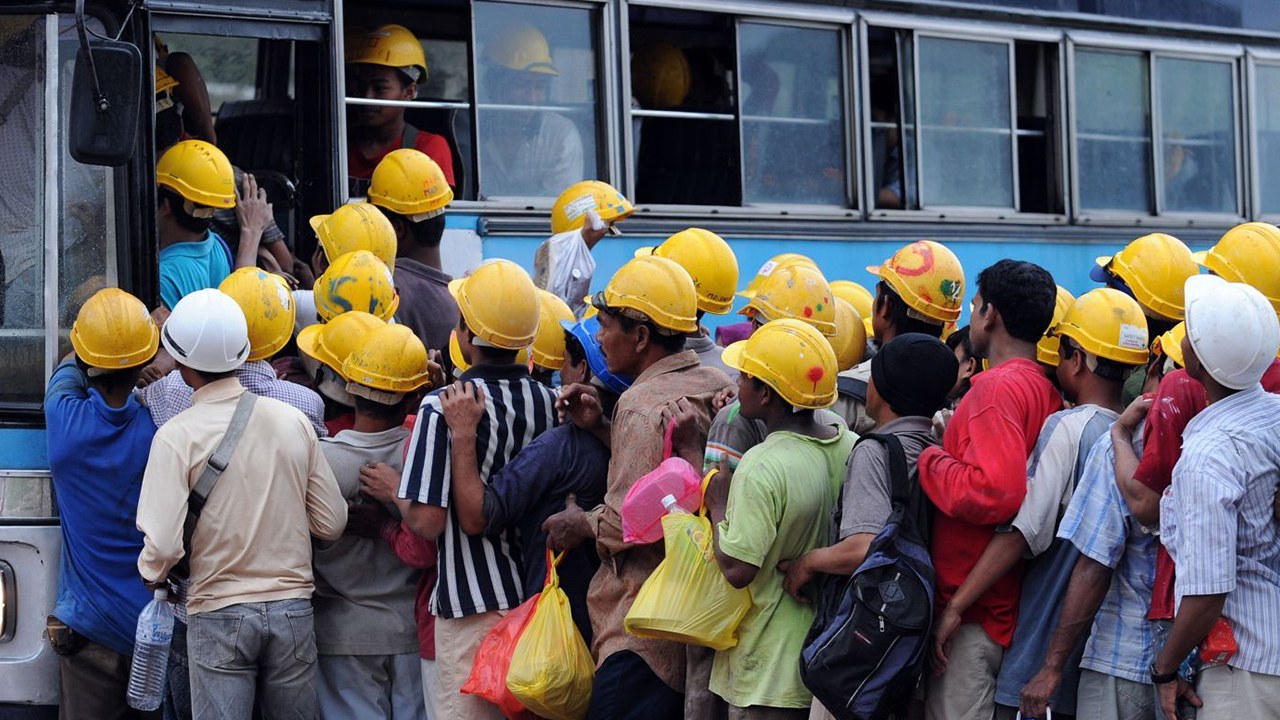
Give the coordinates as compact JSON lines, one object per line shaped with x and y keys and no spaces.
{"x":106,"y":100}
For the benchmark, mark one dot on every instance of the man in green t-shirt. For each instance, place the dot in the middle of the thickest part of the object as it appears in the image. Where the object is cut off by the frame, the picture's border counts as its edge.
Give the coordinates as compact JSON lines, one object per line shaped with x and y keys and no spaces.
{"x":775,"y":509}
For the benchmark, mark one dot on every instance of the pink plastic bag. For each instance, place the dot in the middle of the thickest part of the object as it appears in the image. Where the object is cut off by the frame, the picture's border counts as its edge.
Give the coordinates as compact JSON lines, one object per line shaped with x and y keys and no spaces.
{"x":642,"y":509}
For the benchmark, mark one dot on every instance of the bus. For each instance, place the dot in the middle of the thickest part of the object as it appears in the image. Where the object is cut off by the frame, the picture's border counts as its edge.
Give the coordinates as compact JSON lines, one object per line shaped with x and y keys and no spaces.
{"x":1048,"y":130}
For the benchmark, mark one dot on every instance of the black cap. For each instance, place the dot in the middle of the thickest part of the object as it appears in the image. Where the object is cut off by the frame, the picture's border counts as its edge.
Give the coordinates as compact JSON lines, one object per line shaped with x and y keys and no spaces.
{"x":914,"y":373}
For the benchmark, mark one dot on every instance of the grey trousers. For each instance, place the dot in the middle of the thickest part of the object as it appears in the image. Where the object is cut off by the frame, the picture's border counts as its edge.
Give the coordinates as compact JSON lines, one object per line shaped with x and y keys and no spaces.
{"x":369,"y":687}
{"x":1106,"y":697}
{"x":262,"y":651}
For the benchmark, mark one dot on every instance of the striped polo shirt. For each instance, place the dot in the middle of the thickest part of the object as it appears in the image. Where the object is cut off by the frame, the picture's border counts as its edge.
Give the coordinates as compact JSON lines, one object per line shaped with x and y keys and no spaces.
{"x":477,"y":573}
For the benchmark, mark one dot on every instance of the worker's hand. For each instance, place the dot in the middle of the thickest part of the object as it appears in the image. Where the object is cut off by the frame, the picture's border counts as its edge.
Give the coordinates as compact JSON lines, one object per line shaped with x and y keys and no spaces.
{"x":799,"y":573}
{"x":366,"y":519}
{"x":687,"y":440}
{"x":1036,"y":694}
{"x":580,"y":403}
{"x":1170,"y":692}
{"x":253,"y":212}
{"x":940,"y":420}
{"x":948,"y":623}
{"x":292,"y":370}
{"x":380,"y":482}
{"x":593,"y":229}
{"x":724,"y":398}
{"x":568,"y":528}
{"x":463,"y":406}
{"x":162,"y":365}
{"x":1135,"y":413}
{"x":435,"y":369}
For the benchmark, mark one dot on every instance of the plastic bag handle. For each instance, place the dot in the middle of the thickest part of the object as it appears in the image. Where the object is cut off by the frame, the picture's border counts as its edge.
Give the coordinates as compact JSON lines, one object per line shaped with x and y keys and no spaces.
{"x":706,"y":481}
{"x":553,"y":559}
{"x":1048,"y":713}
{"x":667,"y":439}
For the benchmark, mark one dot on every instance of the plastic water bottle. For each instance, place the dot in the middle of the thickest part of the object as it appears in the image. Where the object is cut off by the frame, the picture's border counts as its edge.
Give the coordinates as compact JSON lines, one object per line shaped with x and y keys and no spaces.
{"x":151,"y":654}
{"x":669,"y":502}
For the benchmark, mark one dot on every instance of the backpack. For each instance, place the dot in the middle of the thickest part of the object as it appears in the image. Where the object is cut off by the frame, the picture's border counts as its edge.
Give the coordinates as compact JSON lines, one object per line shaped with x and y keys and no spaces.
{"x":866,"y":650}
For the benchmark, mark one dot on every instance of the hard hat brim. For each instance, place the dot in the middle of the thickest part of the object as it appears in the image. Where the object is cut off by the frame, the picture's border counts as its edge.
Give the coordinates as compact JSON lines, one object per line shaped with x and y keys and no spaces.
{"x":1099,"y":273}
{"x":874,"y":270}
{"x":644,"y":251}
{"x":732,"y":355}
{"x":1201,"y":258}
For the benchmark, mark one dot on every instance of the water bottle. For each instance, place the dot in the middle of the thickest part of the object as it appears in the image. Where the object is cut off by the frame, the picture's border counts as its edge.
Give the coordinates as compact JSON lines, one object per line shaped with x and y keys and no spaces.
{"x":151,"y":654}
{"x":669,"y":502}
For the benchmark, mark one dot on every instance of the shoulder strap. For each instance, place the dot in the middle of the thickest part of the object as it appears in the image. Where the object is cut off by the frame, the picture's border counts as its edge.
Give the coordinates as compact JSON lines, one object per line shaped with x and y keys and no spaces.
{"x":217,"y":462}
{"x":899,"y":485}
{"x":856,"y":389}
{"x":409,"y":138}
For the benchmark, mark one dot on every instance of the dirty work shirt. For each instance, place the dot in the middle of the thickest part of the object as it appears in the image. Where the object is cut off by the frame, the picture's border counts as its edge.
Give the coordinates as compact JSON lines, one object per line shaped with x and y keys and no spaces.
{"x":732,"y":435}
{"x":866,"y":501}
{"x":531,"y":488}
{"x":781,"y":494}
{"x":364,"y":600}
{"x":97,"y":454}
{"x":978,"y":478}
{"x":1053,"y":471}
{"x":186,"y":267}
{"x":426,"y":307}
{"x":638,"y":432}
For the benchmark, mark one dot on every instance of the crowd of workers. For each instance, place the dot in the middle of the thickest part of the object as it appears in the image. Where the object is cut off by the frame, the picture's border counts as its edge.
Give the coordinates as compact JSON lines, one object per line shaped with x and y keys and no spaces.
{"x":393,"y":450}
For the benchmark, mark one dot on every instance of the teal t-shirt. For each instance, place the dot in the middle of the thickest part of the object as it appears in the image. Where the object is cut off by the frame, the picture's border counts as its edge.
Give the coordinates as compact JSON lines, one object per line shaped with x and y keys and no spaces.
{"x":779,"y":508}
{"x":190,"y":266}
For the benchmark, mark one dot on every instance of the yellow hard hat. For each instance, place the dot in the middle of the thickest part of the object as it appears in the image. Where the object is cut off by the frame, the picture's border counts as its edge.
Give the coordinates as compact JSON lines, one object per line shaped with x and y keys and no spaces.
{"x":1170,"y":343}
{"x":409,"y":183}
{"x":389,"y":358}
{"x":928,"y":277}
{"x":570,"y":210}
{"x":164,"y":84}
{"x":460,"y":363}
{"x":1047,"y":348}
{"x":499,"y":303}
{"x":548,"y":345}
{"x":521,"y":47}
{"x":656,"y":288}
{"x":1155,"y":267}
{"x":356,"y":226}
{"x":333,"y":341}
{"x":591,"y":310}
{"x":791,"y":357}
{"x":850,"y":340}
{"x":390,"y":45}
{"x":709,"y":261}
{"x":858,"y":296}
{"x":199,"y":172}
{"x":774,"y":264}
{"x":268,"y":309}
{"x":799,"y":292}
{"x":660,"y":76}
{"x":356,"y":281}
{"x":114,"y":331}
{"x":1109,"y":324}
{"x":1249,"y":254}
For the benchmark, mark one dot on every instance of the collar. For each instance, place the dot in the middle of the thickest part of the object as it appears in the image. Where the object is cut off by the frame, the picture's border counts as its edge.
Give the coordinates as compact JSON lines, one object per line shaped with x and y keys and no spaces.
{"x":423,"y":270}
{"x":669,"y":364}
{"x":354,"y":438}
{"x":1222,"y":409}
{"x":495,"y":372}
{"x":909,"y":423}
{"x":259,"y":370}
{"x":224,"y":389}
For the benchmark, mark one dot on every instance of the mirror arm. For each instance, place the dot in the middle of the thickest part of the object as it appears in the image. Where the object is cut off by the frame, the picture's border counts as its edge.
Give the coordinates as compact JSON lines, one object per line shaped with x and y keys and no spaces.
{"x":99,"y":100}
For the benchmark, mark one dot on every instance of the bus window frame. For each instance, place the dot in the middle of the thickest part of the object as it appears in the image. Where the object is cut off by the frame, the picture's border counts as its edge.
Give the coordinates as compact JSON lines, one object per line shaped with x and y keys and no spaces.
{"x":1153,"y":49}
{"x":836,"y":20}
{"x":929,"y":26}
{"x":1254,"y":58}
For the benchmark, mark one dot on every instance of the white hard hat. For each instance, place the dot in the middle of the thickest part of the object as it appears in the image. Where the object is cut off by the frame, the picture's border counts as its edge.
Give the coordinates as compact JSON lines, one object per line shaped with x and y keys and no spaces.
{"x":1232,"y":328}
{"x":207,"y":332}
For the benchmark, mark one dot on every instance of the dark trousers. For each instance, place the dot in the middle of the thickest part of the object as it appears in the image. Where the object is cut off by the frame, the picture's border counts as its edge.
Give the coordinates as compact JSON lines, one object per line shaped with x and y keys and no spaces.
{"x":177,"y":693}
{"x":626,"y":689}
{"x":94,"y":681}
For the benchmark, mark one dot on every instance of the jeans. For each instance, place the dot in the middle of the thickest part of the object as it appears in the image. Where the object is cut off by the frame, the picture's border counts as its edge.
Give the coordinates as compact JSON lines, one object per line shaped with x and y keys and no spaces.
{"x":369,"y":687}
{"x":265,"y":651}
{"x":177,"y":693}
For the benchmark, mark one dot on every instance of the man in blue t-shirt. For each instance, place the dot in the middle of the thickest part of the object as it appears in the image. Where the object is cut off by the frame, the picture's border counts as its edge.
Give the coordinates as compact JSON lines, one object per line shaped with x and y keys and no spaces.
{"x":99,"y":438}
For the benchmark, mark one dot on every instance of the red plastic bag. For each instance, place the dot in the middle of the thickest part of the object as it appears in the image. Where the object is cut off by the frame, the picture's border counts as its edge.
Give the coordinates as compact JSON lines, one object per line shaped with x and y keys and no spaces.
{"x":642,"y":509}
{"x":1219,"y":645}
{"x":488,"y":678}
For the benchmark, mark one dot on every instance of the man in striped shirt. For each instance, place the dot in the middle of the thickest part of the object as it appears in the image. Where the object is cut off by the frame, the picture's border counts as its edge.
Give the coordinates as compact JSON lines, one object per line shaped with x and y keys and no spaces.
{"x":479,"y":575}
{"x":1216,"y":522}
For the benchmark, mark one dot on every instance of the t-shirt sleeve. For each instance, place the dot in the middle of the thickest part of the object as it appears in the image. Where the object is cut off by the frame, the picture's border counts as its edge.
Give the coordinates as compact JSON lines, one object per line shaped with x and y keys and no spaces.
{"x":69,"y":382}
{"x":751,"y":518}
{"x":1095,"y":521}
{"x":436,"y":147}
{"x":866,"y":500}
{"x":427,"y":474}
{"x":731,"y":435}
{"x":1049,"y":472}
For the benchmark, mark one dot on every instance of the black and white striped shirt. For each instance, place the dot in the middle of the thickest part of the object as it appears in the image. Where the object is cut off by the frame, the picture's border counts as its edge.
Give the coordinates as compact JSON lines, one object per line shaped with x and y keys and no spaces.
{"x":476,"y":574}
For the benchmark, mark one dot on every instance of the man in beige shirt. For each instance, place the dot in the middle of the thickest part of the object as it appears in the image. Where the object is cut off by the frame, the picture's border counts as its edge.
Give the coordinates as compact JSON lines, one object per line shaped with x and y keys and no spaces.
{"x":249,"y":600}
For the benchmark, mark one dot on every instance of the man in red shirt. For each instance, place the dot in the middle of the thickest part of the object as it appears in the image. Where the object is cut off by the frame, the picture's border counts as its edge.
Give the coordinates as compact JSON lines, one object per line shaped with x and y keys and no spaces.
{"x":386,"y":64}
{"x":978,"y":478}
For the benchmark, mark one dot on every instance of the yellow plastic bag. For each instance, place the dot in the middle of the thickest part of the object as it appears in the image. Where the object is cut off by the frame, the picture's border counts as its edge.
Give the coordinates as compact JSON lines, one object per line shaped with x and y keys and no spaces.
{"x":687,"y":599}
{"x":551,"y":670}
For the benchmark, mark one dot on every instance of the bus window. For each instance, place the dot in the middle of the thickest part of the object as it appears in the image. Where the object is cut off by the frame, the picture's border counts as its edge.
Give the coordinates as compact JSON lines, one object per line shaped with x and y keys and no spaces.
{"x":1040,"y":161}
{"x":1113,"y":131}
{"x":793,"y":125}
{"x":227,"y":65}
{"x":537,"y":98}
{"x":1197,"y":135}
{"x":683,"y":67}
{"x":1266,"y":98}
{"x":892,"y":120}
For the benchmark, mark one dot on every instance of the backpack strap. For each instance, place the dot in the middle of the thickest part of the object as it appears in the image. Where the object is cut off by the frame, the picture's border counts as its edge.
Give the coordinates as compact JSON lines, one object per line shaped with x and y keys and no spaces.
{"x":900,"y":488}
{"x":409,"y":138}
{"x":215,"y":465}
{"x":856,"y":389}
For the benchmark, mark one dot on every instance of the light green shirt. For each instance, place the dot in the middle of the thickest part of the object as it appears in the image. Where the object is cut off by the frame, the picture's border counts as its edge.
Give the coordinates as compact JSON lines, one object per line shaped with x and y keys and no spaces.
{"x":780,"y":504}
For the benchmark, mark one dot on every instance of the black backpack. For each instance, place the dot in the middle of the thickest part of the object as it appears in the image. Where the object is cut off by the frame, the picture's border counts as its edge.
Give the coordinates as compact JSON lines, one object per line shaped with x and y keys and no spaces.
{"x":866,"y":651}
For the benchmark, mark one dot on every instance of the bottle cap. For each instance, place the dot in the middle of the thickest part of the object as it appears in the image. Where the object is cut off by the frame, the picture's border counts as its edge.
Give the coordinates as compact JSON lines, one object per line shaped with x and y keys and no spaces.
{"x":161,"y":594}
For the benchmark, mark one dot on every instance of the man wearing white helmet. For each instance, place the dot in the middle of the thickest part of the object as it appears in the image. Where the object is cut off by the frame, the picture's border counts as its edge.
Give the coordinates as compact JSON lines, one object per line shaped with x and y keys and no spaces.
{"x":1216,"y":521}
{"x":246,"y":476}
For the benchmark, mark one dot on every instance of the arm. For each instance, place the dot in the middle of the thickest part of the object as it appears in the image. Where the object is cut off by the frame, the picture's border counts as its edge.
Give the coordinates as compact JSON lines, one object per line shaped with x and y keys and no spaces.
{"x":1196,"y":616}
{"x":987,"y":485}
{"x":580,"y":404}
{"x":197,"y":110}
{"x":1002,"y":553}
{"x":1085,"y":592}
{"x":326,"y":508}
{"x":253,"y":214}
{"x":463,"y":406}
{"x":412,"y":549}
{"x":162,"y":511}
{"x":1143,"y":502}
{"x":422,"y":493}
{"x":843,"y":558}
{"x":737,"y":544}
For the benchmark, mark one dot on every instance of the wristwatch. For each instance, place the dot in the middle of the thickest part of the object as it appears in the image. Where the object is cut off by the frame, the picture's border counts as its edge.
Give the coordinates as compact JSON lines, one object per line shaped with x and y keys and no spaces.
{"x":1158,"y":679}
